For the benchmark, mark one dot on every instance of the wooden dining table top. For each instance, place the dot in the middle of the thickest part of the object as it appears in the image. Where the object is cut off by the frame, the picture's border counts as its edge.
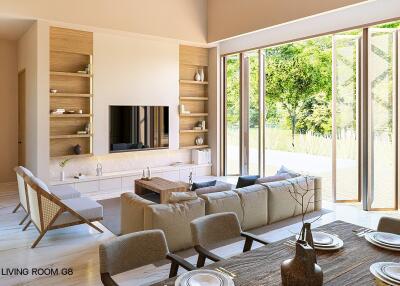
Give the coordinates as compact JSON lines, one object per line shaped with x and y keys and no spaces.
{"x":346,"y":266}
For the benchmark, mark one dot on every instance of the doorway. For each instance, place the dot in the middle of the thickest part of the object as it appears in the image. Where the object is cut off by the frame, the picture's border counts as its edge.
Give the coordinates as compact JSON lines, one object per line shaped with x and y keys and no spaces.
{"x":21,"y":118}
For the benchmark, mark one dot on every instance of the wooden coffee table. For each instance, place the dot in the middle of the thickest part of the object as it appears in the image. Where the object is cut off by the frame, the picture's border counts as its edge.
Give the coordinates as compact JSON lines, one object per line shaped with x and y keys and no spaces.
{"x":158,"y":185}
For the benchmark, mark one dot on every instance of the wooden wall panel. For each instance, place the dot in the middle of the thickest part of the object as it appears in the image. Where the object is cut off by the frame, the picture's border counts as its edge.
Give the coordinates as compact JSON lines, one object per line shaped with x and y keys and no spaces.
{"x":193,"y":56}
{"x":71,"y":41}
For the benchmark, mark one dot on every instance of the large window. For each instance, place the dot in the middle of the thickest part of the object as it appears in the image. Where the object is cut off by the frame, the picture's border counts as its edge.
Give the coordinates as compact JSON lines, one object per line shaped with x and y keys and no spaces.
{"x":302,"y":105}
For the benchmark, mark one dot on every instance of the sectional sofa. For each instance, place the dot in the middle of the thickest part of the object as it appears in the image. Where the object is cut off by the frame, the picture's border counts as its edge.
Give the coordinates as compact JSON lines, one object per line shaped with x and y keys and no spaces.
{"x":256,"y":205}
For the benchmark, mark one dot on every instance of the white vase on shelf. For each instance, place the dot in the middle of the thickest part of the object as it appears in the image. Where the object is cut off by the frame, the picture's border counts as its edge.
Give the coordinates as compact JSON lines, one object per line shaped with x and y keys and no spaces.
{"x":197,"y":76}
{"x":201,"y":74}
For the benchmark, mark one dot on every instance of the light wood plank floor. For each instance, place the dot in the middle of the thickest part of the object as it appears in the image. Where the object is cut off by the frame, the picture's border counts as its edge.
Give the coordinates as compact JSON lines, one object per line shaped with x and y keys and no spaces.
{"x":77,"y":247}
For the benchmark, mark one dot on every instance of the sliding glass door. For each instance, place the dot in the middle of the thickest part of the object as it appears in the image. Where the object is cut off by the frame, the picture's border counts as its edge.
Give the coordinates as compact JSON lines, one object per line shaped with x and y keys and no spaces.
{"x":232,"y":86}
{"x":383,"y":117}
{"x":345,"y":117}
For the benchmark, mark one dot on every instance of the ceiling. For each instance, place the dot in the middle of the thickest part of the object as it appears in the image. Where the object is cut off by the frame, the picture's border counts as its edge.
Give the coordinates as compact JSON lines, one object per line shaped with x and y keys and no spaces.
{"x":12,"y":29}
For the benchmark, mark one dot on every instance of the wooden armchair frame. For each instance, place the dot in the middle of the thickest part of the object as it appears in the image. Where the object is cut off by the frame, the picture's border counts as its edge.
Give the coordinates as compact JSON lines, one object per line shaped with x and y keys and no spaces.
{"x":18,"y":170}
{"x":49,"y":208}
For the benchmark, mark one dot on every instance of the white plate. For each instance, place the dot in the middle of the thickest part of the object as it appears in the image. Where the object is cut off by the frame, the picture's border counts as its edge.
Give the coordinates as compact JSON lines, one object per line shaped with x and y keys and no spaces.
{"x":321,"y":238}
{"x":387,"y":238}
{"x":204,"y":277}
{"x":377,"y":272}
{"x":392,"y":270}
{"x":338,"y":243}
{"x":369,"y":238}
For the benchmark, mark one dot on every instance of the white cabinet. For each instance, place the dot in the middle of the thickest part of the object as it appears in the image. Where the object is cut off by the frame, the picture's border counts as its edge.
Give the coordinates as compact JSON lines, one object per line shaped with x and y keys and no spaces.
{"x":110,"y":184}
{"x":128,"y":183}
{"x":87,"y":187}
{"x":203,"y":171}
{"x":168,"y":175}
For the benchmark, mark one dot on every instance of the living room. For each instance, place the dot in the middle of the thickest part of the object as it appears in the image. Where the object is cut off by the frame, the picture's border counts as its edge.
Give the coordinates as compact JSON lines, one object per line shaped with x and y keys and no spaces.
{"x":139,"y":147}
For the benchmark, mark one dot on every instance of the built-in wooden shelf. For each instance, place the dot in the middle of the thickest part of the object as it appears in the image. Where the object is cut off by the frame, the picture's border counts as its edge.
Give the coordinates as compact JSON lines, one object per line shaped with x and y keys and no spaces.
{"x":71,"y":136}
{"x":194,"y":98}
{"x":71,"y":156}
{"x":194,"y":147}
{"x":71,"y":74}
{"x":194,"y":115}
{"x":194,"y":131}
{"x":71,"y":95}
{"x":196,"y":65}
{"x":69,"y":115}
{"x":193,"y":82}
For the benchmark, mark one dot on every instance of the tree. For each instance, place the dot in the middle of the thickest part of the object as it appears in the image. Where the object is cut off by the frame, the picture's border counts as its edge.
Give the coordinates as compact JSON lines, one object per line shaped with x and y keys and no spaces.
{"x":296,"y":75}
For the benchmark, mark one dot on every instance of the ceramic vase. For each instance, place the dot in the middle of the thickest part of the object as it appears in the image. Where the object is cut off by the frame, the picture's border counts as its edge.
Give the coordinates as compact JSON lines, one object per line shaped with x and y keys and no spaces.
{"x":199,"y":140}
{"x":302,"y":269}
{"x":62,"y":175}
{"x":197,"y":76}
{"x":77,"y":149}
{"x":201,"y":74}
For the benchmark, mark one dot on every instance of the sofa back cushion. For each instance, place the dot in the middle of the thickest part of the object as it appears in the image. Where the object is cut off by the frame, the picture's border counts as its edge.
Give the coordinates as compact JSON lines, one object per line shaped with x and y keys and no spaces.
{"x":174,"y":220}
{"x":219,"y":187}
{"x":132,"y":212}
{"x":222,"y":202}
{"x":274,"y":178}
{"x":176,"y":197}
{"x":254,"y":200}
{"x":281,"y":197}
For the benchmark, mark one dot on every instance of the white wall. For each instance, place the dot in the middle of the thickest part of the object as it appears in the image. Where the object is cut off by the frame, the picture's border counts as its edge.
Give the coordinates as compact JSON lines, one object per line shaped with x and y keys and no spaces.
{"x":27,"y":59}
{"x":8,"y":110}
{"x":362,"y":14}
{"x":133,"y":71}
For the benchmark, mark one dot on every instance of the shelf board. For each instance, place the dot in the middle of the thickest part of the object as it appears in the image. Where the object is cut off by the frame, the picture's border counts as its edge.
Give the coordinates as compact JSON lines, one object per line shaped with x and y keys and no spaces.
{"x":71,"y":74}
{"x":71,"y":95}
{"x":71,"y":136}
{"x":193,"y":98}
{"x":69,"y":115}
{"x":194,"y":131}
{"x":194,"y":147}
{"x":193,"y":82}
{"x":72,"y":156}
{"x":194,"y":65}
{"x":194,"y":115}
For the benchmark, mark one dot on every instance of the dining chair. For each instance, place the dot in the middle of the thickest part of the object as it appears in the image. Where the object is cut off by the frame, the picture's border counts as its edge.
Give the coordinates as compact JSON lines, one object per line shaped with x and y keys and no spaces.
{"x":133,"y":250}
{"x":389,"y":224}
{"x":217,"y":228}
{"x":48,"y":212}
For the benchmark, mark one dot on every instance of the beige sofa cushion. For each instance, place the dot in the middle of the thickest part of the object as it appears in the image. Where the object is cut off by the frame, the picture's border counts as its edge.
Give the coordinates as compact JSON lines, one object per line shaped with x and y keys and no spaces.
{"x":176,"y":197}
{"x":254,"y":200}
{"x":273,"y":178}
{"x":219,"y":187}
{"x":132,"y":212}
{"x":317,"y":193}
{"x":221,"y":202}
{"x":281,"y":198}
{"x":174,"y":220}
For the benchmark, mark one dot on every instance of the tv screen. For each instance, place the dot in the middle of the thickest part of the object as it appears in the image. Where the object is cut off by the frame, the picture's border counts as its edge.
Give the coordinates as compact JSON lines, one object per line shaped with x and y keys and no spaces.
{"x":135,"y":128}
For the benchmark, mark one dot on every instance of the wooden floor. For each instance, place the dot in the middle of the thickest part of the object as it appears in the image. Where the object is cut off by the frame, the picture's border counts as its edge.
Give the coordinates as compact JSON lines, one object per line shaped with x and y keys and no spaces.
{"x":77,"y":247}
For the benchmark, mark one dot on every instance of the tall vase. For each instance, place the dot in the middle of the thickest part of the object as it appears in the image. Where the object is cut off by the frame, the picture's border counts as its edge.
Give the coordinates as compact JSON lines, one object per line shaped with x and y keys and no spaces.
{"x":197,"y":76}
{"x":62,"y":175}
{"x":202,"y":74}
{"x":302,"y":269}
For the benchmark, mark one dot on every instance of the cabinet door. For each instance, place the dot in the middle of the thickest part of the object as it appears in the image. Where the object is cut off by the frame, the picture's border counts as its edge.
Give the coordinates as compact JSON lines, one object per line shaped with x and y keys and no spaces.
{"x":128,"y":183}
{"x":110,"y":184}
{"x":203,"y":171}
{"x":86,"y":188}
{"x":169,"y":175}
{"x":185,"y":172}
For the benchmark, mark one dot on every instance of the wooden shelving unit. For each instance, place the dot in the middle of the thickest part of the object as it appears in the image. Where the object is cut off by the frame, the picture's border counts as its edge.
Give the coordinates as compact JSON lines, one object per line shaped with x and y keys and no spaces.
{"x":193,"y":95}
{"x":71,"y":51}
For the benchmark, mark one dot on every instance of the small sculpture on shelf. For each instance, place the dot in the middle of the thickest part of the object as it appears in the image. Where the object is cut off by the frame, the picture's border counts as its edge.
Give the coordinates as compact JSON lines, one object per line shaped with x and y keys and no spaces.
{"x":199,"y":140}
{"x":202,"y":74}
{"x":197,"y":76}
{"x":77,"y":149}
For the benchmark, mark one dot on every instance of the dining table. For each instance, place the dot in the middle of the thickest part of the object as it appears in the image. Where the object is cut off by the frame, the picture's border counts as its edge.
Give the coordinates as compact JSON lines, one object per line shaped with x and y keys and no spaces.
{"x":346,"y":266}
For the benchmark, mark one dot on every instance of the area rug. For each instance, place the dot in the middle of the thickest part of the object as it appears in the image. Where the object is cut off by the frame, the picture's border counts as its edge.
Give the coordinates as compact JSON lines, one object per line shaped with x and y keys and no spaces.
{"x":112,"y":212}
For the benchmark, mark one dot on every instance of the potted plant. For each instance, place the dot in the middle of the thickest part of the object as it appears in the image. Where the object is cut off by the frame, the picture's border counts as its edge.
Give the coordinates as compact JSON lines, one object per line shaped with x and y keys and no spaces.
{"x":62,"y":164}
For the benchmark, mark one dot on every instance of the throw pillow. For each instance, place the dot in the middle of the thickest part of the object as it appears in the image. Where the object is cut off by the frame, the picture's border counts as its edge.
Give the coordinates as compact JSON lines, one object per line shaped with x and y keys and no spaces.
{"x":245,"y":181}
{"x":196,"y":186}
{"x":176,"y":197}
{"x":284,"y":170}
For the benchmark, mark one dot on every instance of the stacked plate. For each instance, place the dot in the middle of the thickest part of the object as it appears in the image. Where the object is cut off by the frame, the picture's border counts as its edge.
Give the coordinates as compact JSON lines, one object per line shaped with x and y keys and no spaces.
{"x":384,"y":240}
{"x":388,"y":272}
{"x":326,"y":241}
{"x":204,"y":277}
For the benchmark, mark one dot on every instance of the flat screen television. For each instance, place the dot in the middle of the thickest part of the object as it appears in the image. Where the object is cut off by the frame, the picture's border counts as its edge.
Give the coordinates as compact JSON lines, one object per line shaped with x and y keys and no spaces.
{"x":134,"y":128}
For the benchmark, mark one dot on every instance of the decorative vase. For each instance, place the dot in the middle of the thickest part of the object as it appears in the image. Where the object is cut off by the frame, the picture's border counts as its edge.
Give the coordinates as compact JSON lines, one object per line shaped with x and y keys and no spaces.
{"x":197,"y":76}
{"x":306,"y":234}
{"x":62,"y":175}
{"x":199,"y":140}
{"x":77,"y":149}
{"x":302,"y":269}
{"x":202,"y":74}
